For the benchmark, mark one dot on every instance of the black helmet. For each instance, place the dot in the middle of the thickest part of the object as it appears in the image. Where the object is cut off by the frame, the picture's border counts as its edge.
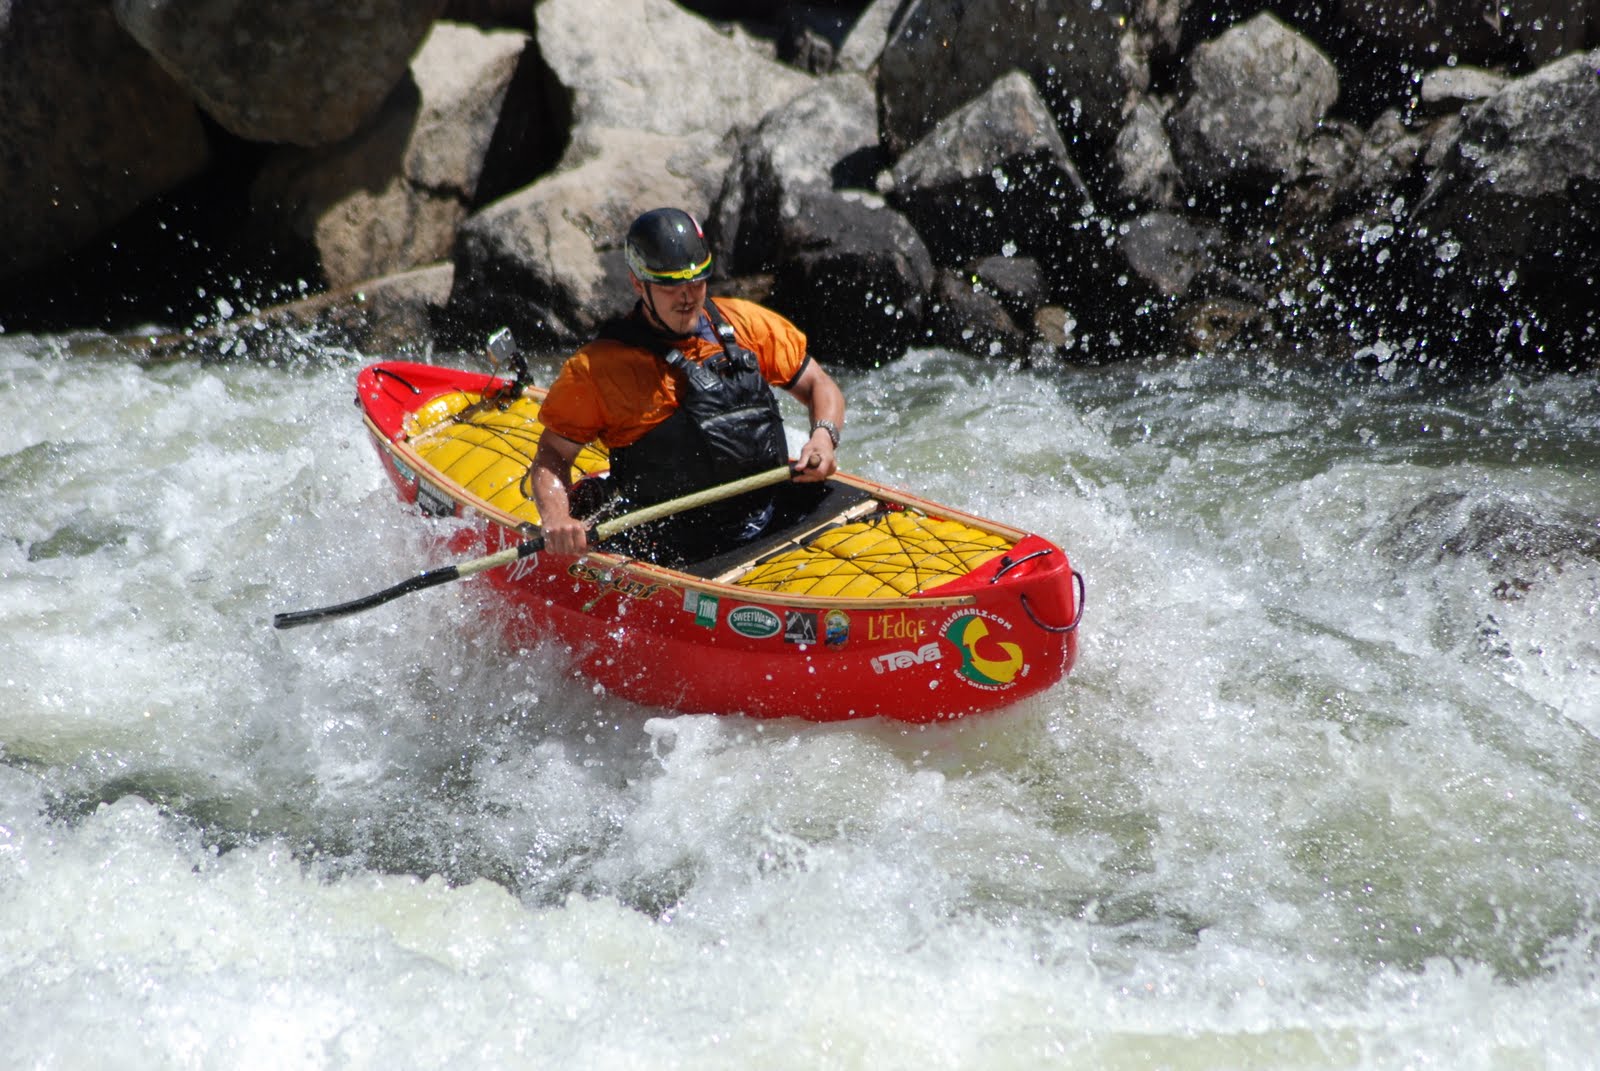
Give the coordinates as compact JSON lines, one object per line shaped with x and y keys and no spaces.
{"x":666,"y":245}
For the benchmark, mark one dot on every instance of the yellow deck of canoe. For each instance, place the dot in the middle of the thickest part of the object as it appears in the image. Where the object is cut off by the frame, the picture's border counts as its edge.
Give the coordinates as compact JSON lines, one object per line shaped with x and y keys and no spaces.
{"x":486,"y":450}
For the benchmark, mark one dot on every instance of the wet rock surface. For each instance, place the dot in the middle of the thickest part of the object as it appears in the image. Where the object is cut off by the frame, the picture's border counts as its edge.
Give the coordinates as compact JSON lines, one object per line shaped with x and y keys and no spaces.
{"x":1082,"y":180}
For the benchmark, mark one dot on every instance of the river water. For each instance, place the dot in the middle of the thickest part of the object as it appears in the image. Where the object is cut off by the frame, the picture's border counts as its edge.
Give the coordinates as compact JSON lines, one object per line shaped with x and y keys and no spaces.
{"x":1321,"y":793}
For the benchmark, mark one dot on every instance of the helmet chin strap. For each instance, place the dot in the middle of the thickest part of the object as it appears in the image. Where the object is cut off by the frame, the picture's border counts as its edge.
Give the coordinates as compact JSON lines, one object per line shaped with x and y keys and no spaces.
{"x":655,"y":317}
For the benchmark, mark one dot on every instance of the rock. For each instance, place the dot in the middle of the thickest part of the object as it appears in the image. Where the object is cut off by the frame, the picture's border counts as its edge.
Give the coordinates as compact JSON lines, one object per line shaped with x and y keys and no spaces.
{"x":547,"y":262}
{"x":855,"y":277}
{"x":393,"y":196}
{"x":1251,"y":100}
{"x":1526,"y":33}
{"x":968,"y":319}
{"x":392,"y":315}
{"x":941,"y":55}
{"x":867,"y":37}
{"x":1520,"y":187}
{"x":993,"y":177}
{"x":1017,"y":282}
{"x":809,"y":36}
{"x":304,"y":72}
{"x":1390,"y":155}
{"x":1168,"y":252}
{"x":1054,"y":329}
{"x":1450,"y":89}
{"x":1143,"y":171}
{"x":546,"y":259}
{"x":93,"y":129}
{"x":682,"y":76}
{"x":826,"y":138}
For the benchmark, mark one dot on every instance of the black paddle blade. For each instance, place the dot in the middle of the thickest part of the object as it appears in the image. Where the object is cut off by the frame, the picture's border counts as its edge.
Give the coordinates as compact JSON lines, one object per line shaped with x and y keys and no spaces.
{"x":429,"y":579}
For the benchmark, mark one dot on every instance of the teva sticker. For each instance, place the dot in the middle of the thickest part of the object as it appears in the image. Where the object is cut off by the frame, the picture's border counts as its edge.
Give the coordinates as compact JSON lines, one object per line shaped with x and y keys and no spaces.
{"x":407,"y":473}
{"x":705,"y":611}
{"x":896,"y":660}
{"x":987,"y":661}
{"x":754,"y":622}
{"x":799,"y":626}
{"x":836,"y":628}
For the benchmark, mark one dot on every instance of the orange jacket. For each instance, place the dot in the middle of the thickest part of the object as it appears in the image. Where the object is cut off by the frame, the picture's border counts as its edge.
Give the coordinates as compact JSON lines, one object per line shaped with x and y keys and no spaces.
{"x":615,"y":392}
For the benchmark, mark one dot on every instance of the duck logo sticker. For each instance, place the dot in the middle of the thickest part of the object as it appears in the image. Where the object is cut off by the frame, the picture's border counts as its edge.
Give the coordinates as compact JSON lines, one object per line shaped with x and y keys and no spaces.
{"x":987,"y":660}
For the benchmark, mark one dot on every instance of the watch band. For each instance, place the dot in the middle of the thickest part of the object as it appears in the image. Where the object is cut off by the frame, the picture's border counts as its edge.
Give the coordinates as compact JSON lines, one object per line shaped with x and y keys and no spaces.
{"x":831,"y":428}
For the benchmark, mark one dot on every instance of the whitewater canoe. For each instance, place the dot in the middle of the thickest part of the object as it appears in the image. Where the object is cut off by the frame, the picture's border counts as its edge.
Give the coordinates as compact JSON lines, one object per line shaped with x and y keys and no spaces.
{"x":868,"y":602}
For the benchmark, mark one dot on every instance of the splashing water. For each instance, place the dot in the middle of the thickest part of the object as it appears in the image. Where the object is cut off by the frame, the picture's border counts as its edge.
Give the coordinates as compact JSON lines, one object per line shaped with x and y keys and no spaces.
{"x":1321,"y":792}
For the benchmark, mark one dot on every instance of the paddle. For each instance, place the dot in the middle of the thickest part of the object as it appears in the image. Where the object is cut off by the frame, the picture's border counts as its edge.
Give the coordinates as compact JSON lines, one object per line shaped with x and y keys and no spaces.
{"x":597,"y":534}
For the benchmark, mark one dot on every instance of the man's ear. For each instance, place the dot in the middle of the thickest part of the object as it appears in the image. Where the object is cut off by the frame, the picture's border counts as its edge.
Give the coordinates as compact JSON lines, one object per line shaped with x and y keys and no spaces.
{"x":638,"y":287}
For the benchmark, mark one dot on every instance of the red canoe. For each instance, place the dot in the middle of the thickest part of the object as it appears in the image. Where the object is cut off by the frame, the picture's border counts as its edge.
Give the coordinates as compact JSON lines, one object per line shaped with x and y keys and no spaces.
{"x":869,"y":602}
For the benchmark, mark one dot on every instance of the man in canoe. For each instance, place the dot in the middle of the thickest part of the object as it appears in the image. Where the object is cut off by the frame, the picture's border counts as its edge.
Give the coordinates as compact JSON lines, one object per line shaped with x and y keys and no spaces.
{"x":680,"y":392}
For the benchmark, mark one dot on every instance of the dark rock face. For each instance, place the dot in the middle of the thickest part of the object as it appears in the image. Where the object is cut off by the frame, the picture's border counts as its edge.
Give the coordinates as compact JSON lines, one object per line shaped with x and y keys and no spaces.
{"x":856,"y":277}
{"x":966,"y":316}
{"x":1509,"y":225}
{"x":92,"y":128}
{"x":825,"y":139}
{"x":994,"y":177}
{"x":304,"y":72}
{"x":1519,"y":188}
{"x":941,"y":55}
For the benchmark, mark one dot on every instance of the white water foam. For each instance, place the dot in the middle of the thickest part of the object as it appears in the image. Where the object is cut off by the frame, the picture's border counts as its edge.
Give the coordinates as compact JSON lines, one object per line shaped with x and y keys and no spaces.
{"x":1320,"y":794}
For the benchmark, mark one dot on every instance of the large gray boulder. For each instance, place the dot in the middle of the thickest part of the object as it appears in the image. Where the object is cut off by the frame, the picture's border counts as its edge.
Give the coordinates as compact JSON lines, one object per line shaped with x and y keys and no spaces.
{"x":1080,"y":53}
{"x":1251,"y":100}
{"x":392,"y":196}
{"x":1519,"y":188}
{"x":91,"y":127}
{"x":994,"y":177}
{"x":305,"y":72}
{"x":826,"y":138}
{"x":547,"y":258}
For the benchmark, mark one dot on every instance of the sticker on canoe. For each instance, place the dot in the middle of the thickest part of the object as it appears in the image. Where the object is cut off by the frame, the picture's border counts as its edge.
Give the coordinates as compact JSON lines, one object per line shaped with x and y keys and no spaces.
{"x":631,"y":586}
{"x":894,"y":660}
{"x":987,"y":661}
{"x":754,"y":622}
{"x":836,"y":628}
{"x":799,"y":626}
{"x":896,"y":626}
{"x":434,"y":502}
{"x":705,"y":611}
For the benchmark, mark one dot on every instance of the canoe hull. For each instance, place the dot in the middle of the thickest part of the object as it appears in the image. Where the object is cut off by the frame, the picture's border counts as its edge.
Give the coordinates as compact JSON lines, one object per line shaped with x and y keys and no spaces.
{"x":664,"y":638}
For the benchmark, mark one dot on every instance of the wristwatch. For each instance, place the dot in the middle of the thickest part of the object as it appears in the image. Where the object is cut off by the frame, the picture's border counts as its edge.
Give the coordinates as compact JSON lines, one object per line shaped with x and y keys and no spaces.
{"x":831,"y":428}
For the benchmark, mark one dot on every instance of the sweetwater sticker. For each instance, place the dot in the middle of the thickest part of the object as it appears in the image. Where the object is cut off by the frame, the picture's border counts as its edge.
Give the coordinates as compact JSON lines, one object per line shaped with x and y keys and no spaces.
{"x":754,"y":622}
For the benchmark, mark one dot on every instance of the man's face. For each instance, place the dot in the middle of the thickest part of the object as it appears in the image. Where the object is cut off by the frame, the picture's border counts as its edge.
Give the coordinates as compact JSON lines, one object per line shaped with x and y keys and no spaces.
{"x":676,"y":306}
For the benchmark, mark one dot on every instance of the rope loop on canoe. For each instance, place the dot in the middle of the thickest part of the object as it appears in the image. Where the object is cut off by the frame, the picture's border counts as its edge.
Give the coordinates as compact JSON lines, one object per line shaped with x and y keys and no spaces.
{"x":1006,"y":564}
{"x":1077,"y":582}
